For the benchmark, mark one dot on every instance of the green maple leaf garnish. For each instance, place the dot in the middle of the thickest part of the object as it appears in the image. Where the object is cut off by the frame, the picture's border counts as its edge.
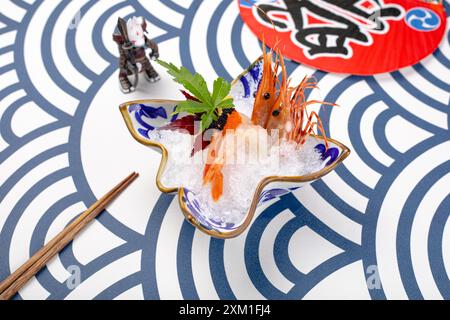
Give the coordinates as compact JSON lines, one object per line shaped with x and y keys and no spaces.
{"x":210,"y":106}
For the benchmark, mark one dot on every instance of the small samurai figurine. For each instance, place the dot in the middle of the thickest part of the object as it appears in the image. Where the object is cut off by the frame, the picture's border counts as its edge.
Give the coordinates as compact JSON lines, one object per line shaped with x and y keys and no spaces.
{"x":132,"y":41}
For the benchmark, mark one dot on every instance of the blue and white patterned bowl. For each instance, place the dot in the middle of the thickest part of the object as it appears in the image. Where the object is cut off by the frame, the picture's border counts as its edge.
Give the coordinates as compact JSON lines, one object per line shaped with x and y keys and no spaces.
{"x":143,"y":116}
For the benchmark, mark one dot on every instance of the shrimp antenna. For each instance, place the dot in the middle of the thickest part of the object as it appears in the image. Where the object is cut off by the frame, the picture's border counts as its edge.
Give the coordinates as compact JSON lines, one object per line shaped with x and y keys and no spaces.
{"x":271,"y":22}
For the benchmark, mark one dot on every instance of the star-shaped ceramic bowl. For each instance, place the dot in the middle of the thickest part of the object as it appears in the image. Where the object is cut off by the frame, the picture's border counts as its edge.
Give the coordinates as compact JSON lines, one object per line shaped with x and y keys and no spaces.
{"x":143,"y":116}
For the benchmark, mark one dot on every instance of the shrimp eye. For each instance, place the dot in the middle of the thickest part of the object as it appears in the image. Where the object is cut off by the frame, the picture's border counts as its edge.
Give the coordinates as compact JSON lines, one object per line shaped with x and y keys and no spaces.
{"x":276,"y":112}
{"x":266,"y":96}
{"x":254,"y":94}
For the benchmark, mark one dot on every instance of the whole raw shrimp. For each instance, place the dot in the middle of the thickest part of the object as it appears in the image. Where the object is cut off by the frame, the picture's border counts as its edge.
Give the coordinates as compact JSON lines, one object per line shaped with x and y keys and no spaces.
{"x":286,"y":108}
{"x":267,"y":94}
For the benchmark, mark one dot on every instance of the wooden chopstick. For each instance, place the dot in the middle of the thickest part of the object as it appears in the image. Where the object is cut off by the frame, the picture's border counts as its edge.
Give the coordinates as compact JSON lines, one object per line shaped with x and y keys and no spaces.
{"x":11,"y":285}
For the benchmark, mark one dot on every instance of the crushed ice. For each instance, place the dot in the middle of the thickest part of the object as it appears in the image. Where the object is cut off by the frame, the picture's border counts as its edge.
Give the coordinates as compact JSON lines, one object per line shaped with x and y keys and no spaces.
{"x":240,"y":177}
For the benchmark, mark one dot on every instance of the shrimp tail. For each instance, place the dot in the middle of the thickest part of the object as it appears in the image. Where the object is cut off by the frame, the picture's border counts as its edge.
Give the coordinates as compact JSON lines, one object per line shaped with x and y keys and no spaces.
{"x":213,"y":174}
{"x":217,"y":185}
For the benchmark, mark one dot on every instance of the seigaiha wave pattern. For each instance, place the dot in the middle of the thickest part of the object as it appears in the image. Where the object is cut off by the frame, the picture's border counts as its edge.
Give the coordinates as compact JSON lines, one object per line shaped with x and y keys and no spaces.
{"x":376,"y":228}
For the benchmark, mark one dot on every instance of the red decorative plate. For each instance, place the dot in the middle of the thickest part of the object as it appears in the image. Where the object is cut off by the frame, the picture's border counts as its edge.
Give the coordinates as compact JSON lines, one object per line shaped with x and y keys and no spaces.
{"x":362,"y":37}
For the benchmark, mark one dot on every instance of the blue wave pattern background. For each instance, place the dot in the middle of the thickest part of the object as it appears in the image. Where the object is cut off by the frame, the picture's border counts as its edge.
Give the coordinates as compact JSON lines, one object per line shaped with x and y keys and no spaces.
{"x":376,"y":228}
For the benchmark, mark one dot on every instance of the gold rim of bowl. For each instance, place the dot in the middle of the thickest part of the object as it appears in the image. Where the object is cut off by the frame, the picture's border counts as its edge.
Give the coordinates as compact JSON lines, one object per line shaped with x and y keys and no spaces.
{"x":345,"y":152}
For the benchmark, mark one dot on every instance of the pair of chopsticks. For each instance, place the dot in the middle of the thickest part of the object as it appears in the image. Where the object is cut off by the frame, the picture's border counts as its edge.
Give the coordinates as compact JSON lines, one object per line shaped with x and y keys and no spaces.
{"x":11,"y":285}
